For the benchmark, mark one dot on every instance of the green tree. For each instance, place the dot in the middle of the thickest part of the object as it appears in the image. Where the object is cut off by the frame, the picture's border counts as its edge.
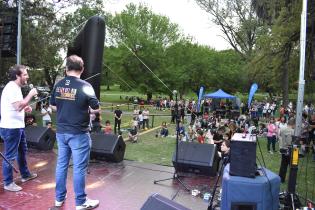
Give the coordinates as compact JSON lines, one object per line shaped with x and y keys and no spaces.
{"x":277,"y":52}
{"x":141,"y":35}
{"x":238,"y":22}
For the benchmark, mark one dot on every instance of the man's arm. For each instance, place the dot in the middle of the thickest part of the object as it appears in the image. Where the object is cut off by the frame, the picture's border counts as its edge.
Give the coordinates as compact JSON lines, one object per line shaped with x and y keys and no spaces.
{"x":93,"y":111}
{"x":20,"y":105}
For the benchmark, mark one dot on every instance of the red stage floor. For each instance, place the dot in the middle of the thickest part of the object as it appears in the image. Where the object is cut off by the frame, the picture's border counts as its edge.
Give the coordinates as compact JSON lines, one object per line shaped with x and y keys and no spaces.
{"x":118,"y":186}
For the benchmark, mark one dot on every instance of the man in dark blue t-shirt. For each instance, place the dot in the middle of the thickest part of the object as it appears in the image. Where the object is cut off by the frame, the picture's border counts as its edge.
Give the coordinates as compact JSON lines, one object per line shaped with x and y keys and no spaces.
{"x":73,"y":98}
{"x":117,"y":115}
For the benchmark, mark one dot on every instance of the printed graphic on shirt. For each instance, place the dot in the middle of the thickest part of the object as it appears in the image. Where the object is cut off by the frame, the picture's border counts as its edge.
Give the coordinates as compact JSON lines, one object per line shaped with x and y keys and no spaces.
{"x":66,"y":93}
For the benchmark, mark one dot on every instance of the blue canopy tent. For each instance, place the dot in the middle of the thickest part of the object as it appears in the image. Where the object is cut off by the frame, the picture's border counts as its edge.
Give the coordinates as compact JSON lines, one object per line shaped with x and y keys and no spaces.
{"x":219,"y":94}
{"x":216,"y":96}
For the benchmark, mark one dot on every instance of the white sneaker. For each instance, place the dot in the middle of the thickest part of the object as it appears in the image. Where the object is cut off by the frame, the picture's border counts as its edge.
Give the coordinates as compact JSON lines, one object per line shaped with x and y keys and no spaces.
{"x":13,"y":187}
{"x":88,"y":204}
{"x":60,"y":203}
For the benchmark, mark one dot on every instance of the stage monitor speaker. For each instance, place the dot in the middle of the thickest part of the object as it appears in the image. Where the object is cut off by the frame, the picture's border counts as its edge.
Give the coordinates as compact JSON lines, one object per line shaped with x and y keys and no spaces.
{"x":243,"y":155}
{"x":158,"y":202}
{"x":39,"y":137}
{"x":108,"y":146}
{"x":196,"y":158}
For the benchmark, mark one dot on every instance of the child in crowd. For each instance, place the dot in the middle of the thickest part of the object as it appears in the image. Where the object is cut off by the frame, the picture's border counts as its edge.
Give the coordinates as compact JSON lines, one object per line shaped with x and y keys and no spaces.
{"x":164,"y":130}
{"x":107,"y":127}
{"x":201,"y":137}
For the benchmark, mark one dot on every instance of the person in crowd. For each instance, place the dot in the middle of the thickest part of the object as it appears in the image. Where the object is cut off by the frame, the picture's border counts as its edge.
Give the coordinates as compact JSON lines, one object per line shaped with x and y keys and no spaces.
{"x":118,"y":116}
{"x":96,"y":123}
{"x":173,"y":113}
{"x":304,"y":138}
{"x":46,"y":112}
{"x":30,"y":119}
{"x":209,"y":137}
{"x":191,"y":132}
{"x":135,"y":111}
{"x":201,"y":136}
{"x":285,"y":142}
{"x":140,"y":120}
{"x":263,"y":130}
{"x":181,"y":131}
{"x":181,"y":112}
{"x":108,"y":127}
{"x":224,"y":153}
{"x":312,"y":133}
{"x":271,"y":135}
{"x":218,"y":138}
{"x":73,"y":137}
{"x":225,"y":149}
{"x":281,"y":124}
{"x":145,"y":114}
{"x":12,"y":126}
{"x":164,"y":130}
{"x":49,"y":125}
{"x":133,"y":135}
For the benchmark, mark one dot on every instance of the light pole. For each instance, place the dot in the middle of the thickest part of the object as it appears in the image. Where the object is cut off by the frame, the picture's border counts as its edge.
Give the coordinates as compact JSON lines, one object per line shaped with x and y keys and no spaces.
{"x":19,"y":36}
{"x":299,"y":104}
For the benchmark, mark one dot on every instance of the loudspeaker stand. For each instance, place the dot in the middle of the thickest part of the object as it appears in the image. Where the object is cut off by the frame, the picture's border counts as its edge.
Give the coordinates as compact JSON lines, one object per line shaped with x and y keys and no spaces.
{"x":175,"y":175}
{"x":211,"y":207}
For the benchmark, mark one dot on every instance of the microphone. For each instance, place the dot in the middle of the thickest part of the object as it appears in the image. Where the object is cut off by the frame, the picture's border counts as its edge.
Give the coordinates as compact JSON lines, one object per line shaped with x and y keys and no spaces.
{"x":31,"y":86}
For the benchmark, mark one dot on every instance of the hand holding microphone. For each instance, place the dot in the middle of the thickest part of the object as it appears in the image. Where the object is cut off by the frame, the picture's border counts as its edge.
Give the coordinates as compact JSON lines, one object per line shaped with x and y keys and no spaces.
{"x":33,"y":91}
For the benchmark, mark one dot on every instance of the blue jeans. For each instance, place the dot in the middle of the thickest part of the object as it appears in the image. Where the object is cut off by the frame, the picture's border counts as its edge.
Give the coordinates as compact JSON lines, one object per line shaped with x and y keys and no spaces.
{"x":15,"y":147}
{"x":77,"y":145}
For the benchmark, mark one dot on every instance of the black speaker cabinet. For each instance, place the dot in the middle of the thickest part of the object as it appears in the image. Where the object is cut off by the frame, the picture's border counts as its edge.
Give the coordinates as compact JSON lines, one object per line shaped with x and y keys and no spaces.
{"x":158,"y":202}
{"x":196,"y":158}
{"x":243,"y":155}
{"x":41,"y":138}
{"x":243,"y":206}
{"x":108,"y":146}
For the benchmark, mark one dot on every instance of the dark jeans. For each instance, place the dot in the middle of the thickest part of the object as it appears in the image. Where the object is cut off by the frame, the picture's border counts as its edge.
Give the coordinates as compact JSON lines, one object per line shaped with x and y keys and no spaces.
{"x":15,"y":147}
{"x":117,"y":124}
{"x":271,"y":140}
{"x":285,"y":161}
{"x":145,"y":123}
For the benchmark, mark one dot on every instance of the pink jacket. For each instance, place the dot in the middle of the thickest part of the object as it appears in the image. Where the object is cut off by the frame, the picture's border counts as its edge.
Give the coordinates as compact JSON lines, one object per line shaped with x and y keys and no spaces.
{"x":272,"y":130}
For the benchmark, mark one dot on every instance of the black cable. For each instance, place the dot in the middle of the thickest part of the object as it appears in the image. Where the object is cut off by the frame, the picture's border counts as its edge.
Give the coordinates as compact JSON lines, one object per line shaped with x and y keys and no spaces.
{"x":262,"y":156}
{"x":269,"y":183}
{"x":306,"y":174}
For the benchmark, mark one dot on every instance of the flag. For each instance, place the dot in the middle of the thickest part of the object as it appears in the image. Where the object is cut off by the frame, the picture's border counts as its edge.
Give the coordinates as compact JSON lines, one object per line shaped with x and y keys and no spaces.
{"x":200,"y":97}
{"x":252,"y":92}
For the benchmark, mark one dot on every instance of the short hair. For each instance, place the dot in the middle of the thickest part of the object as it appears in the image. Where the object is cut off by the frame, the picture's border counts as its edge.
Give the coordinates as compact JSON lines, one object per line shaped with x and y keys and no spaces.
{"x":74,"y":63}
{"x":227,"y":143}
{"x":291,"y":122}
{"x":15,"y":70}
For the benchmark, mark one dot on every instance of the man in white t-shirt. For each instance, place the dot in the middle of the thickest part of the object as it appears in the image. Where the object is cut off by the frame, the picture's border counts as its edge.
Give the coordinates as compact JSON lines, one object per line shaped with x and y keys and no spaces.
{"x":12,"y":126}
{"x":46,"y":112}
{"x":145,"y":114}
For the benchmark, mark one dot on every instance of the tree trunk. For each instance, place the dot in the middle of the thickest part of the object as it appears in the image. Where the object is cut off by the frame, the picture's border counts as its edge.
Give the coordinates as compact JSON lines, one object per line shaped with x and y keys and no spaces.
{"x":285,"y":75}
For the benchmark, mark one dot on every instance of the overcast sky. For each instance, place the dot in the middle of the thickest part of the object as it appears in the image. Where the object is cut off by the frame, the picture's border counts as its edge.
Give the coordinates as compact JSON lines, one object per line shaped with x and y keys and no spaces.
{"x":186,"y":13}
